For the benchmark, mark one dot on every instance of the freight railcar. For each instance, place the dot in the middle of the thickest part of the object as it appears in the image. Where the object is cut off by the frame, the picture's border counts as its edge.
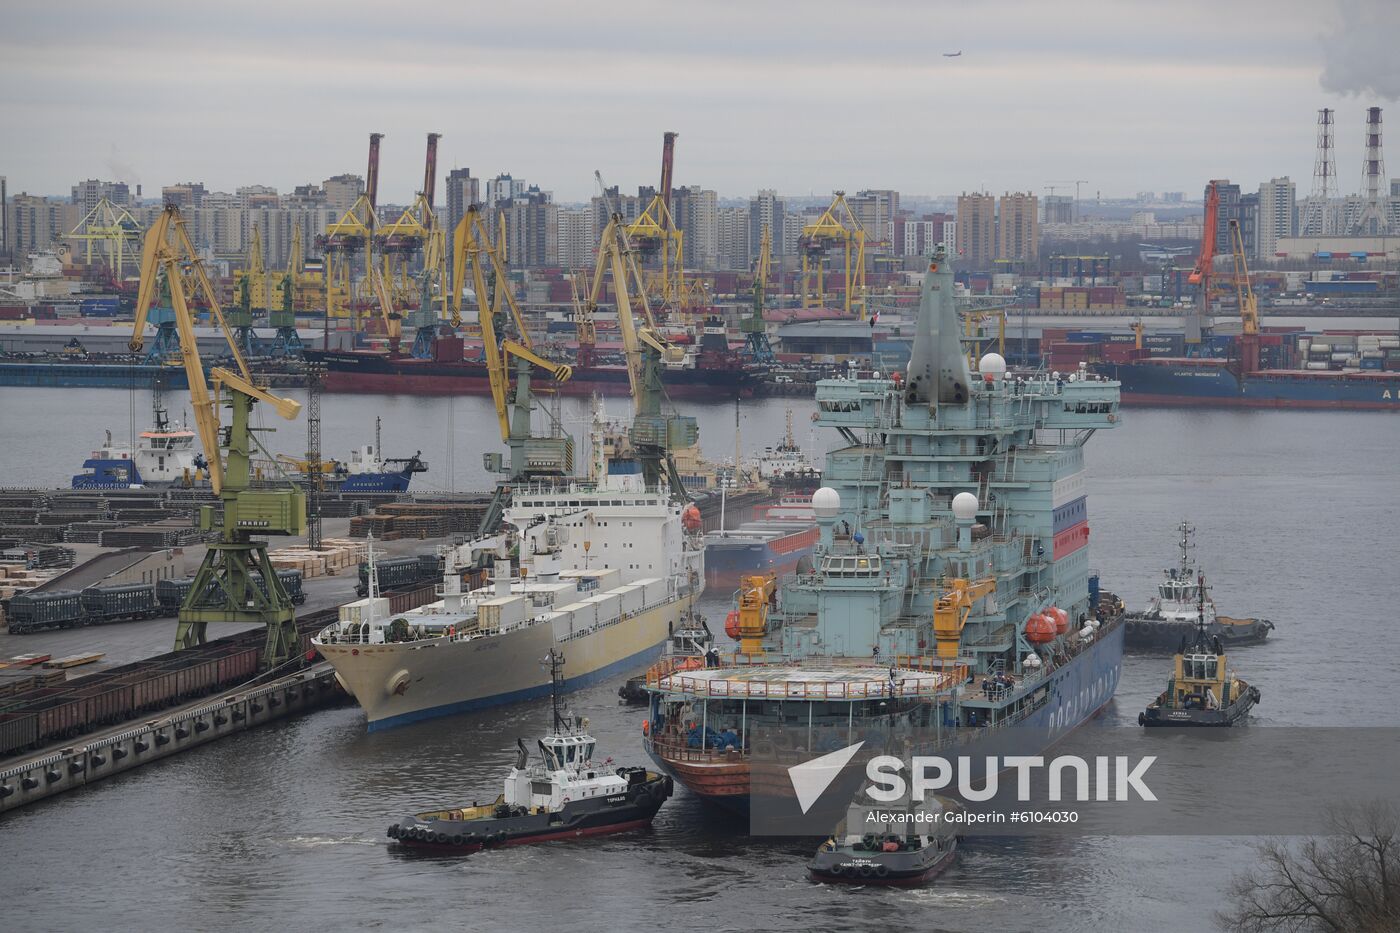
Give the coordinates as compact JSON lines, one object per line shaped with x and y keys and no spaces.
{"x":121,"y":603}
{"x":171,"y":593}
{"x":29,"y":612}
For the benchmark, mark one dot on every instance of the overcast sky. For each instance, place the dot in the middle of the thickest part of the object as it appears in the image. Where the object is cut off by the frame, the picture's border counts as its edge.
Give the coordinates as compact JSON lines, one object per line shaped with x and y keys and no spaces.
{"x":802,"y":96}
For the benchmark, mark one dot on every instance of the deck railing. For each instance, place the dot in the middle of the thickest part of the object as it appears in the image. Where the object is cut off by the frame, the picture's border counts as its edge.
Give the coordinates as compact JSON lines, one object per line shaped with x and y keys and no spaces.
{"x":689,"y":675}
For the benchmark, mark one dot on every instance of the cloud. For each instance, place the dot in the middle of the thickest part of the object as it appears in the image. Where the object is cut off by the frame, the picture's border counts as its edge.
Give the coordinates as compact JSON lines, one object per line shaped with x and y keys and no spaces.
{"x":1360,"y":51}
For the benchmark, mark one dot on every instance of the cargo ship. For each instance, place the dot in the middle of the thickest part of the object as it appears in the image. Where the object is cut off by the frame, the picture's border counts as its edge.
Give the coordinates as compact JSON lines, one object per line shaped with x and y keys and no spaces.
{"x":950,"y":593}
{"x":775,"y":542}
{"x":606,"y":572}
{"x":709,"y":369}
{"x":1222,"y":382}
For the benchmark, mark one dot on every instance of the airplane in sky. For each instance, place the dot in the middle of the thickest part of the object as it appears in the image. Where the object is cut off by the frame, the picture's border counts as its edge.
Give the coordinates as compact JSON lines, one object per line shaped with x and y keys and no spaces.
{"x":952,"y":54}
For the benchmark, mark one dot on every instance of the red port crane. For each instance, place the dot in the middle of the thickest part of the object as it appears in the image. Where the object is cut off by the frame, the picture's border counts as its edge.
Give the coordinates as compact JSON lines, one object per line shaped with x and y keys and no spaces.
{"x":1201,"y":273}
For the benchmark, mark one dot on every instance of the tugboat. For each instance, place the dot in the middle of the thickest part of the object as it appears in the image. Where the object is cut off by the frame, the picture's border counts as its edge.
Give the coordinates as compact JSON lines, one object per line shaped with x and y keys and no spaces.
{"x":693,"y":640}
{"x":1203,"y":690}
{"x":1183,"y":597}
{"x":900,"y":843}
{"x":563,"y":796}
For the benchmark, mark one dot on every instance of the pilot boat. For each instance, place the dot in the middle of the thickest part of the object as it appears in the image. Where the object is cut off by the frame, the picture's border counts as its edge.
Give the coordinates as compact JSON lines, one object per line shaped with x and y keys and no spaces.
{"x":563,"y":795}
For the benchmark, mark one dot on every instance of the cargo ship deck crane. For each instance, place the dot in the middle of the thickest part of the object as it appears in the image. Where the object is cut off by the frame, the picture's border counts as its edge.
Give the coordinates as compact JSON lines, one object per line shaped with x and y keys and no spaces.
{"x":531,"y":456}
{"x":236,"y":581}
{"x":654,"y":433}
{"x":1249,"y":305}
{"x":1203,"y":272}
{"x":754,"y":328}
{"x":836,"y":225}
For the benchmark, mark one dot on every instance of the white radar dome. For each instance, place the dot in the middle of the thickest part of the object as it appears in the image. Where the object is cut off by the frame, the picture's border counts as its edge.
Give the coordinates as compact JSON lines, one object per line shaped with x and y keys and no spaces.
{"x":826,"y":502}
{"x":965,"y":506}
{"x":992,"y":364}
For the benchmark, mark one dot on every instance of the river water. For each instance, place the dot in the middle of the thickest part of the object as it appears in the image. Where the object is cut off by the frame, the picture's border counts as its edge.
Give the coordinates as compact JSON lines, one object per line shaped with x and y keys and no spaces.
{"x":1299,"y":521}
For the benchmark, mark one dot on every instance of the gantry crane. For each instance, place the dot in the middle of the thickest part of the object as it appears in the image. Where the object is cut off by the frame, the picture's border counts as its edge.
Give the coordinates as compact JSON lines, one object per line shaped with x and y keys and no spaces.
{"x":754,"y":328}
{"x":585,"y":329}
{"x":236,"y":582}
{"x":118,"y":234}
{"x":836,"y":225}
{"x":656,"y":235}
{"x":1204,"y":270}
{"x":531,"y":456}
{"x":1249,"y":305}
{"x":654,"y":434}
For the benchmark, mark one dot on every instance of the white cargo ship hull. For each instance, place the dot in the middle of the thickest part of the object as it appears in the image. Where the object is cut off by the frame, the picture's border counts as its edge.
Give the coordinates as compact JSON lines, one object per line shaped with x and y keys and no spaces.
{"x":408,"y":681}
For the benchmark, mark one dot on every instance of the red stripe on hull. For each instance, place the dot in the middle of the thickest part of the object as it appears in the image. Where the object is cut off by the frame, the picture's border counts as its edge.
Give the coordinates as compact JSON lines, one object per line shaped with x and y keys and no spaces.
{"x":1197,"y":401}
{"x":1070,"y":540}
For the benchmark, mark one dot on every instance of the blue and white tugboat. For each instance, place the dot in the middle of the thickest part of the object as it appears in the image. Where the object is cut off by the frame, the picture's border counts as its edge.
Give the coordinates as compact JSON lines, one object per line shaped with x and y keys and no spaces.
{"x":949,"y":595}
{"x":563,"y":795}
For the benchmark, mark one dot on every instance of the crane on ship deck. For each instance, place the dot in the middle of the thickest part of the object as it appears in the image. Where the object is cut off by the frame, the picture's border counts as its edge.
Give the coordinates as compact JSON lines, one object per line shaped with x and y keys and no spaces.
{"x":531,"y":456}
{"x":654,"y":432}
{"x":236,"y":581}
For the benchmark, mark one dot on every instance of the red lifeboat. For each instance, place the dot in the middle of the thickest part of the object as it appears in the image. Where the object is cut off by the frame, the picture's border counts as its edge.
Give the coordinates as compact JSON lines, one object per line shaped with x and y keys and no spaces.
{"x":690,"y":517}
{"x":731,"y":624}
{"x":1040,"y":628}
{"x":1061,"y":619}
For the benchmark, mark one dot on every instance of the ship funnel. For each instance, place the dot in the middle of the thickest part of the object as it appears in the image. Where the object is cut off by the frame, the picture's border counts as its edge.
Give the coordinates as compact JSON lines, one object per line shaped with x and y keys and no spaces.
{"x":938,"y":371}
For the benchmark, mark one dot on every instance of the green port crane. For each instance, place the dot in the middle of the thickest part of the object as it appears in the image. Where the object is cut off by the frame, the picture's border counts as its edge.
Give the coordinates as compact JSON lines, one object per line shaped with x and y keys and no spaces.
{"x":236,"y":581}
{"x":654,"y":432}
{"x":754,"y":329}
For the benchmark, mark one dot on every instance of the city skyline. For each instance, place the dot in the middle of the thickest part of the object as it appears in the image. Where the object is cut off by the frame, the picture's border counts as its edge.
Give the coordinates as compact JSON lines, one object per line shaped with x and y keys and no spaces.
{"x":153,"y":98}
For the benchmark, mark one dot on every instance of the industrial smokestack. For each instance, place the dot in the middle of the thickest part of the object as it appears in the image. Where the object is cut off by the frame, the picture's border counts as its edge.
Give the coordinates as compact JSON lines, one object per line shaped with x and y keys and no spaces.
{"x":1372,"y":220}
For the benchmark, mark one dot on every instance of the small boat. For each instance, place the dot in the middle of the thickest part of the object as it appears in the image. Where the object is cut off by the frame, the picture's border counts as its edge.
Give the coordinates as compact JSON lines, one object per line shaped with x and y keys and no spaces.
{"x":1203,"y":691}
{"x":561,"y":796}
{"x":890,"y":843}
{"x":692,"y":639}
{"x":1182,"y":597}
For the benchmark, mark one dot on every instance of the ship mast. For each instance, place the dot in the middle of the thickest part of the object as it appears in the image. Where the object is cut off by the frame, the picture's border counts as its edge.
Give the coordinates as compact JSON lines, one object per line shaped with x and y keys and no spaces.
{"x":1187,"y":531}
{"x":555,"y":659}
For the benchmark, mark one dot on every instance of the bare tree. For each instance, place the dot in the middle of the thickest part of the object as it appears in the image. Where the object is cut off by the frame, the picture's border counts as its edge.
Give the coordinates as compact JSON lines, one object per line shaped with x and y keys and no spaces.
{"x":1347,"y":881}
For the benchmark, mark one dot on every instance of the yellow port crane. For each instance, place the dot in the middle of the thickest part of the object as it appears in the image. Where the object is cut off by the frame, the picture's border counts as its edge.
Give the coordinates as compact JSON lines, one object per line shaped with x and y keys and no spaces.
{"x":655,"y":233}
{"x":530,"y":455}
{"x":116,"y":232}
{"x":236,"y":581}
{"x":951,"y":610}
{"x":1249,"y":305}
{"x":836,"y":226}
{"x":654,"y":433}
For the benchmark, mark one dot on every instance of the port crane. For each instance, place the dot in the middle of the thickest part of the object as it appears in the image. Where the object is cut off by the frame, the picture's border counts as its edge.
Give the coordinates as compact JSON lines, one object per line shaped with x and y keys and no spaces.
{"x":654,"y":433}
{"x":754,"y":329}
{"x":836,"y":226}
{"x":236,"y":581}
{"x":531,"y":456}
{"x":286,"y":341}
{"x":1249,"y":305}
{"x":1203,"y":271}
{"x":118,"y":233}
{"x":351,"y":234}
{"x":655,"y":234}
